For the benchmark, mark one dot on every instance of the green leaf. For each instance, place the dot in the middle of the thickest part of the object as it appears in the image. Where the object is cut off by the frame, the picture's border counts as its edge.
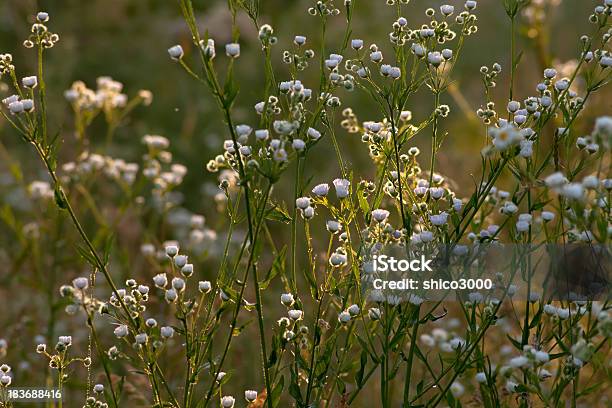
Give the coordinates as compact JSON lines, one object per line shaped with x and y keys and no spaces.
{"x":87,"y":255}
{"x":278,"y":213}
{"x":278,"y":267}
{"x":60,"y":197}
{"x":278,"y":391}
{"x":294,"y":388}
{"x":363,"y":360}
{"x":107,"y":248}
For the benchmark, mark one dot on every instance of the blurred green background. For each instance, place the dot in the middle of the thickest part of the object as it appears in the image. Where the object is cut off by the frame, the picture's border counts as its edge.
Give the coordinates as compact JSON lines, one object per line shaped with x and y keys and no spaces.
{"x":128,"y":39}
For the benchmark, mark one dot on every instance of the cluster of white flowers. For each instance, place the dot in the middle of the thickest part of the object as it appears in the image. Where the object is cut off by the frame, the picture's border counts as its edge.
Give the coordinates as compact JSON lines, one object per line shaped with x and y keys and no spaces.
{"x":108,"y":98}
{"x":90,"y":164}
{"x":40,"y":34}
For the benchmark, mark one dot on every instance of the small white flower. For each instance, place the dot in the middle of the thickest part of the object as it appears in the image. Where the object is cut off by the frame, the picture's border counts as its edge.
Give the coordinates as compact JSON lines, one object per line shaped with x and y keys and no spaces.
{"x":204,"y":286}
{"x":121,"y":331}
{"x":555,"y":180}
{"x":526,"y":148}
{"x":338,"y":259}
{"x":333,"y":226}
{"x":250,"y":395}
{"x":548,"y":216}
{"x":298,"y":144}
{"x":357,"y":44}
{"x":176,"y":52}
{"x":591,"y":182}
{"x":171,"y":250}
{"x":374,"y":313}
{"x":187,"y":270}
{"x":10,"y":99}
{"x":166,"y":332}
{"x":308,"y":213}
{"x":344,"y":317}
{"x":287,"y":299}
{"x":513,"y":106}
{"x":550,"y":73}
{"x":605,"y":61}
{"x":262,"y":134}
{"x":563,"y":313}
{"x":243,"y":130}
{"x":541,"y":356}
{"x":380,"y":215}
{"x":481,"y":377}
{"x":30,"y":82}
{"x":544,"y":374}
{"x":592,"y":148}
{"x":178,"y":284}
{"x":302,"y":203}
{"x":299,"y":40}
{"x":504,"y":137}
{"x":228,"y":401}
{"x":518,"y":362}
{"x":141,"y":338}
{"x":289,"y":335}
{"x":511,"y":386}
{"x":376,"y":56}
{"x":232,"y":50}
{"x":80,"y":283}
{"x":208,"y":48}
{"x":603,"y":126}
{"x":28,"y":105}
{"x":436,"y":192}
{"x":65,"y":340}
{"x":16,"y":107}
{"x":509,"y":208}
{"x":395,"y":72}
{"x":534,"y":297}
{"x":426,"y":236}
{"x":363,"y":72}
{"x":418,"y":50}
{"x":321,"y":190}
{"x":353,"y":310}
{"x":457,"y":343}
{"x":562,"y":85}
{"x":434,"y":58}
{"x":574,"y":191}
{"x":447,"y":10}
{"x":342,"y":187}
{"x":42,"y":16}
{"x":170,"y":295}
{"x":160,"y":280}
{"x":427,"y":340}
{"x":180,"y":260}
{"x":295,"y":314}
{"x":457,"y":204}
{"x":313,"y":133}
{"x":439,"y":219}
{"x":470,"y":4}
{"x":457,"y":389}
{"x":550,"y":310}
{"x":522,"y":226}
